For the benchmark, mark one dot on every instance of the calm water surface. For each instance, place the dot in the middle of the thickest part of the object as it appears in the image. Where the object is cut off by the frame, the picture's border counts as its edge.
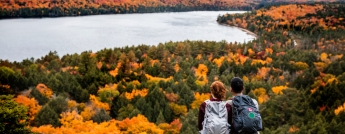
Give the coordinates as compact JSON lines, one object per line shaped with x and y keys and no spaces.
{"x":26,"y":38}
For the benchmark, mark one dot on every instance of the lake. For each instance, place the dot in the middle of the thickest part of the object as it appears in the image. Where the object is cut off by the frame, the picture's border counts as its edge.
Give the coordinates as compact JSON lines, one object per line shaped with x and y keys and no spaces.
{"x":26,"y":38}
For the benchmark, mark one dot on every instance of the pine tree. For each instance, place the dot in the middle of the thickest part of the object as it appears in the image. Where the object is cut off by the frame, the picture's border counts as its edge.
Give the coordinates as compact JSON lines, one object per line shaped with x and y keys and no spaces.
{"x":39,"y":97}
{"x":134,"y":113}
{"x":186,"y":96}
{"x":189,"y":122}
{"x":59,"y":104}
{"x":101,"y":116}
{"x":160,"y":118}
{"x":46,"y":116}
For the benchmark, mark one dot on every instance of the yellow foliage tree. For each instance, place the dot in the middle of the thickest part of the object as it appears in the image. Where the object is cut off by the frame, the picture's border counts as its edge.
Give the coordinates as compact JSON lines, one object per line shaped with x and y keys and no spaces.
{"x":324,"y":58}
{"x":301,"y":65}
{"x":320,"y":66}
{"x":245,"y":79}
{"x":198,"y":57}
{"x":339,"y":109}
{"x":108,"y":93}
{"x":178,"y":109}
{"x":98,"y":103}
{"x":278,"y":89}
{"x":268,"y":60}
{"x":176,"y":67}
{"x":68,"y":119}
{"x":134,"y":93}
{"x":219,"y":61}
{"x":199,"y":99}
{"x":329,"y":78}
{"x":156,"y":79}
{"x":88,"y":113}
{"x":72,"y":104}
{"x":250,"y":52}
{"x":261,"y":94}
{"x":257,"y":61}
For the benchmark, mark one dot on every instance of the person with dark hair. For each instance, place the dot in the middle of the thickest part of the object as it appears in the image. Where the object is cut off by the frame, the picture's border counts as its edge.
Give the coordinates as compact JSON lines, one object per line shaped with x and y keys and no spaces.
{"x":214,"y":113}
{"x":243,"y":108}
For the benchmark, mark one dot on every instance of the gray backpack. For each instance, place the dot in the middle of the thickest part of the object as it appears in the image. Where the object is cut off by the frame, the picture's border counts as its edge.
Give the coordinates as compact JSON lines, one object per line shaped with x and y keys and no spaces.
{"x":245,"y":115}
{"x":216,"y":118}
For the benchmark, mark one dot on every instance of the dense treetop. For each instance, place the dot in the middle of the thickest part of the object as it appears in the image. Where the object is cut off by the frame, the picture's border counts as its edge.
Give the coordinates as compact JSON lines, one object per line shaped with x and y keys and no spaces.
{"x":57,"y":8}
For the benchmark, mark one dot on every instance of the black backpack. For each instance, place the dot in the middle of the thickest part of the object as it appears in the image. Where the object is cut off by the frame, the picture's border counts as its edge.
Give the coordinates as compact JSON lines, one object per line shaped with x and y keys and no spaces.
{"x":245,"y":116}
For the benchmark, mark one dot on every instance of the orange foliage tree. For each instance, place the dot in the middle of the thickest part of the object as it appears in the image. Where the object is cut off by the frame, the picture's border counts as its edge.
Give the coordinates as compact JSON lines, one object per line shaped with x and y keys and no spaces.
{"x":171,"y":97}
{"x":173,"y":128}
{"x":201,"y":72}
{"x":43,"y":89}
{"x":138,"y":125}
{"x":31,"y":103}
{"x":73,"y":123}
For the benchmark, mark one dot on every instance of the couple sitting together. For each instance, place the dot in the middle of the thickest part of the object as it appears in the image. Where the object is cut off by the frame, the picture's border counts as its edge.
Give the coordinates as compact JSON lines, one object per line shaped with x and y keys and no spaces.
{"x":237,"y":115}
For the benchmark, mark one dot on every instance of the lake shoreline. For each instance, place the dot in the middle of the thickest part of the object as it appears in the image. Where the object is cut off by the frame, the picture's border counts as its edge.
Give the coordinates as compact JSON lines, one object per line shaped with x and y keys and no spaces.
{"x":242,"y":29}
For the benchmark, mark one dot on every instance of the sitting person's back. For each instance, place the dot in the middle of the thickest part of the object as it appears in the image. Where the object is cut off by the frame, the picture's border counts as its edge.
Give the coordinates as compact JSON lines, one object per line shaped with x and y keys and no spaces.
{"x":245,"y":117}
{"x":213,"y":113}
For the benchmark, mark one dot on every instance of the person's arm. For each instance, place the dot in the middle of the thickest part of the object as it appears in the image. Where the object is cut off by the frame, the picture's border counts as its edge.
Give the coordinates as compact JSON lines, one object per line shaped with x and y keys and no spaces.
{"x":228,"y":108}
{"x":201,"y":115}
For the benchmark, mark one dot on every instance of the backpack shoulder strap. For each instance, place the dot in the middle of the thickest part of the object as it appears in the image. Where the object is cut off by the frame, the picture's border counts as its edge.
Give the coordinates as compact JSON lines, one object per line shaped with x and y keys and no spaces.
{"x":207,"y":102}
{"x":229,"y":102}
{"x":256,"y":104}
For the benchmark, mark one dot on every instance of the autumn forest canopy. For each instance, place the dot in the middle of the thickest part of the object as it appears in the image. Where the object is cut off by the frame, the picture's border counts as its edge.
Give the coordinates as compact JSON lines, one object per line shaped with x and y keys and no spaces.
{"x":294,"y":68}
{"x":59,"y":8}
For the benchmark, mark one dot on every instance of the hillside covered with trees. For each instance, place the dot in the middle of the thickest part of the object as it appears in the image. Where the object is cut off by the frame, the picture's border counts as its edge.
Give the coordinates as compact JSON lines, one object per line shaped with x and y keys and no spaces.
{"x":158,"y":89}
{"x":59,"y":8}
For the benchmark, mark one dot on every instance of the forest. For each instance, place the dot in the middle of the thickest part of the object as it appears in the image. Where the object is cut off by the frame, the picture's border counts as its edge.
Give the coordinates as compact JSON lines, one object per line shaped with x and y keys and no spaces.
{"x":295,"y":69}
{"x":60,"y":8}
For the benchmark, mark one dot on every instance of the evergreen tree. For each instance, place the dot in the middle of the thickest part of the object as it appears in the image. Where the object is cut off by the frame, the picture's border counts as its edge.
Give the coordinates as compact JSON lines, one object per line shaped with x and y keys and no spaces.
{"x":118,"y":103}
{"x":59,"y":104}
{"x":124,"y":112}
{"x":92,"y":89}
{"x":284,"y":109}
{"x":189,"y":122}
{"x":47,"y":116}
{"x":134,"y":113}
{"x":101,"y":116}
{"x":39,"y":97}
{"x":80,"y":95}
{"x":168,"y":113}
{"x":186,"y":96}
{"x":160,"y":118}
